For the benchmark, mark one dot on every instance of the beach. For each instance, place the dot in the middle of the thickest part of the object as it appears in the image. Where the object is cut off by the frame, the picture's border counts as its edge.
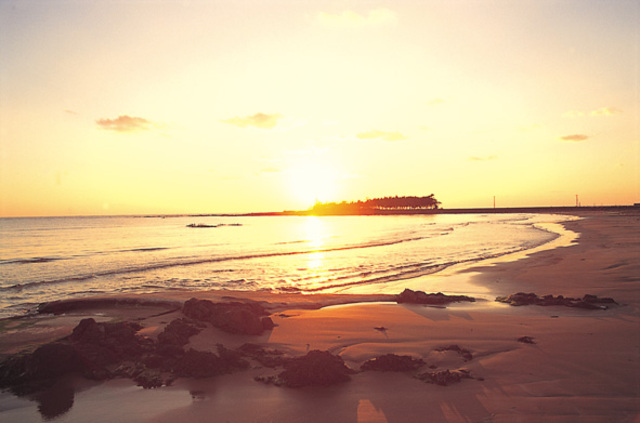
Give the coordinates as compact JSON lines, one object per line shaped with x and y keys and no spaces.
{"x":527,"y":363}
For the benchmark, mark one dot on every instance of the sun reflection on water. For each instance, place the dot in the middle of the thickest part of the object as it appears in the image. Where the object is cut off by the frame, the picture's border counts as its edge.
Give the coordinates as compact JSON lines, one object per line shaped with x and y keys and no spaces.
{"x":316,"y":233}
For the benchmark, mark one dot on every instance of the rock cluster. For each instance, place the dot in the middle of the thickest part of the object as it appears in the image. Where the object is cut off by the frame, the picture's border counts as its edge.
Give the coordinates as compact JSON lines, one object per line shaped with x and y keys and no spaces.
{"x":393,"y":363}
{"x":102,"y":351}
{"x":591,"y":302}
{"x":409,"y":296}
{"x":234,"y":317}
{"x":445,"y":377}
{"x":463,"y":352}
{"x":316,"y":368}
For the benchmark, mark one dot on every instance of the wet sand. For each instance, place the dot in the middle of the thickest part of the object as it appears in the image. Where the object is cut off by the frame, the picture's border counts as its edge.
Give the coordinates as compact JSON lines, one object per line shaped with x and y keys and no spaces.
{"x":583,"y":365}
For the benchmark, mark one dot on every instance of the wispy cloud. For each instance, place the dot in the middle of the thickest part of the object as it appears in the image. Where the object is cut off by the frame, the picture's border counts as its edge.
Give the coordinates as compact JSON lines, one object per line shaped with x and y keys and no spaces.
{"x":350,"y":19}
{"x":575,"y":137}
{"x":270,"y":170}
{"x":603,"y":111}
{"x":259,"y":120}
{"x":482,"y":159}
{"x":387,"y":136}
{"x":125,"y":123}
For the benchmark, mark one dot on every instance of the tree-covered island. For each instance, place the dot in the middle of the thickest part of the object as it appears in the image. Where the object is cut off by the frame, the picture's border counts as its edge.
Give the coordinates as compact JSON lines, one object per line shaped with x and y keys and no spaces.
{"x":377,"y":205}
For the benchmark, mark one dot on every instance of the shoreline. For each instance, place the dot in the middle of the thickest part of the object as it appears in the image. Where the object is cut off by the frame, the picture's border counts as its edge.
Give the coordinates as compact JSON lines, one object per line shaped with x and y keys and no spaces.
{"x":583,"y":364}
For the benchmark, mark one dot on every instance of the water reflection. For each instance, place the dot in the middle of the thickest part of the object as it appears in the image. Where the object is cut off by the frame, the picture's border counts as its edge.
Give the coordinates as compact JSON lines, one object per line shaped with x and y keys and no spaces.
{"x":316,"y":233}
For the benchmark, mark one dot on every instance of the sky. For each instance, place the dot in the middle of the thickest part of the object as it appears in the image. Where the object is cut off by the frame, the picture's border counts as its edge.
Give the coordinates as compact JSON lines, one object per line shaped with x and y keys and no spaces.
{"x":153,"y":107}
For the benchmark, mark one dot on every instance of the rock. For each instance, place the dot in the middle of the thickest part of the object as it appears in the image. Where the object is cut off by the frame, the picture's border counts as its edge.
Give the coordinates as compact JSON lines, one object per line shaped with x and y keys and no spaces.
{"x":465,"y":353}
{"x":178,"y":332}
{"x":234,"y":317}
{"x":392,"y":363}
{"x":199,"y":364}
{"x":317,"y":368}
{"x":268,"y":358}
{"x":526,"y":340}
{"x":445,"y":377}
{"x":419,"y":297}
{"x":590,"y":302}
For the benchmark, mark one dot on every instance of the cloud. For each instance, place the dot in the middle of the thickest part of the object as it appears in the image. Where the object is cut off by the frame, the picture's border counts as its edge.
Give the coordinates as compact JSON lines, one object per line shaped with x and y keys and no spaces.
{"x":270,"y":170}
{"x":259,"y":120}
{"x":387,"y":136}
{"x":575,"y":137}
{"x":482,"y":159}
{"x":603,"y":111}
{"x":351,"y":19}
{"x":125,"y":123}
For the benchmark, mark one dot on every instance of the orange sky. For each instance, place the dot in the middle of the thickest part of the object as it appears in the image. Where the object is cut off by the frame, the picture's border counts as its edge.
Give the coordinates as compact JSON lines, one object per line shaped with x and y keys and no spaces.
{"x":130,"y":107}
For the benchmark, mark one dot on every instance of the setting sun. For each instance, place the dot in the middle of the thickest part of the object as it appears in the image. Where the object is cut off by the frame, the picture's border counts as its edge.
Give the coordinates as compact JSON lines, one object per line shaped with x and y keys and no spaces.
{"x":311,"y":181}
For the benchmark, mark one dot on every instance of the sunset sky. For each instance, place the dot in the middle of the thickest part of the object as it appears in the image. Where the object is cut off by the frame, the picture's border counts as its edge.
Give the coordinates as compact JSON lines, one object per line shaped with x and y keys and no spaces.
{"x":137,"y":107}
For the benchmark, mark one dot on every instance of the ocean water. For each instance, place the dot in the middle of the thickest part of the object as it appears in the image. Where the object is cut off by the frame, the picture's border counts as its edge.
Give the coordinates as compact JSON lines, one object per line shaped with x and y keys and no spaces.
{"x":45,"y":259}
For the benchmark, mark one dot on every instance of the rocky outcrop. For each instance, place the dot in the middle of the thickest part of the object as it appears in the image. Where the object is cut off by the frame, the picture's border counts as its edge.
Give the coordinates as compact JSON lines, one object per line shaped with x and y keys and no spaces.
{"x":445,"y":377}
{"x":419,"y":297}
{"x":106,"y":350}
{"x":178,"y":332}
{"x":233,"y":317}
{"x":463,"y":352}
{"x":591,"y":302}
{"x":392,"y":363}
{"x":316,"y":368}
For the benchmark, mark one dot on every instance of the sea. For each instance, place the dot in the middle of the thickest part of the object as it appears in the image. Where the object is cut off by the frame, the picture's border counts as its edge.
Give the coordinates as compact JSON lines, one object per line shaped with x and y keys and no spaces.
{"x":54,"y":258}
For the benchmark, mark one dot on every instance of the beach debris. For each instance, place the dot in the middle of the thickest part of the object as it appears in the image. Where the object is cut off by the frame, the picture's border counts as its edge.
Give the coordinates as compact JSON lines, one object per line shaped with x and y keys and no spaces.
{"x":392,"y":363}
{"x":526,"y":340}
{"x":590,"y":302}
{"x":381,"y":329}
{"x":409,"y":296}
{"x":463,"y":352}
{"x":316,"y":368}
{"x":445,"y":377}
{"x":233,"y":317}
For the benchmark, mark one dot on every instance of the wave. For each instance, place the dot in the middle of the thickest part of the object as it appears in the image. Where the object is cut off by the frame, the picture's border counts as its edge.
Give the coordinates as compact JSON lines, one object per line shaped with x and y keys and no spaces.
{"x":157,"y":266}
{"x":31,"y":260}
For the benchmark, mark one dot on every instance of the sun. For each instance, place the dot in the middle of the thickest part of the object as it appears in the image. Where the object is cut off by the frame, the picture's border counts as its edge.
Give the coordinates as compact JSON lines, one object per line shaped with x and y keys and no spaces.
{"x":311,"y":181}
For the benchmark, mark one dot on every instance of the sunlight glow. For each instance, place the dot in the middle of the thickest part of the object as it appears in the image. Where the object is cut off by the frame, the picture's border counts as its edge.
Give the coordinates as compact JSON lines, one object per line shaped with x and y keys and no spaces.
{"x":311,"y":181}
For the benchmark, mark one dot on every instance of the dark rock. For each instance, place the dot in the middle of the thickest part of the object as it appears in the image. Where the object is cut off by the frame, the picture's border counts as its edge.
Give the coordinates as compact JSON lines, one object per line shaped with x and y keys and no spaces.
{"x":52,"y":361}
{"x":233,"y":359}
{"x":445,"y":377}
{"x":200,"y":364}
{"x":526,"y":340}
{"x":149,"y":379}
{"x":464,"y":353}
{"x":419,"y":297}
{"x":393,"y":363}
{"x":178,"y":332}
{"x":267,"y":323}
{"x":590,"y":302}
{"x":234,"y":317}
{"x":268,"y":358}
{"x":317,"y":368}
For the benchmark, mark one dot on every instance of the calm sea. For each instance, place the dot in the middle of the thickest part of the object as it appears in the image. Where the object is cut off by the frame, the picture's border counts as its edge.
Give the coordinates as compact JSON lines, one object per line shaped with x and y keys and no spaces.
{"x":44,"y":259}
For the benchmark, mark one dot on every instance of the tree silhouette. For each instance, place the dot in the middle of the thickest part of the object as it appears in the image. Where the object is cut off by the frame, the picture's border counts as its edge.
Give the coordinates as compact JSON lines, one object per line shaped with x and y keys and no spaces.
{"x":375,"y":205}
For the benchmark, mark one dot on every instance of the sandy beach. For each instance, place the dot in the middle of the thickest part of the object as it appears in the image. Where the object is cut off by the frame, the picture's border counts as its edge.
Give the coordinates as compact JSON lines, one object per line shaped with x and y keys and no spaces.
{"x":573,"y":364}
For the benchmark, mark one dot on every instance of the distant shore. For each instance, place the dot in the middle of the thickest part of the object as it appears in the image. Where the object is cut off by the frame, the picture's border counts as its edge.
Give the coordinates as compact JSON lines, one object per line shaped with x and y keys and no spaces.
{"x":527,"y":364}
